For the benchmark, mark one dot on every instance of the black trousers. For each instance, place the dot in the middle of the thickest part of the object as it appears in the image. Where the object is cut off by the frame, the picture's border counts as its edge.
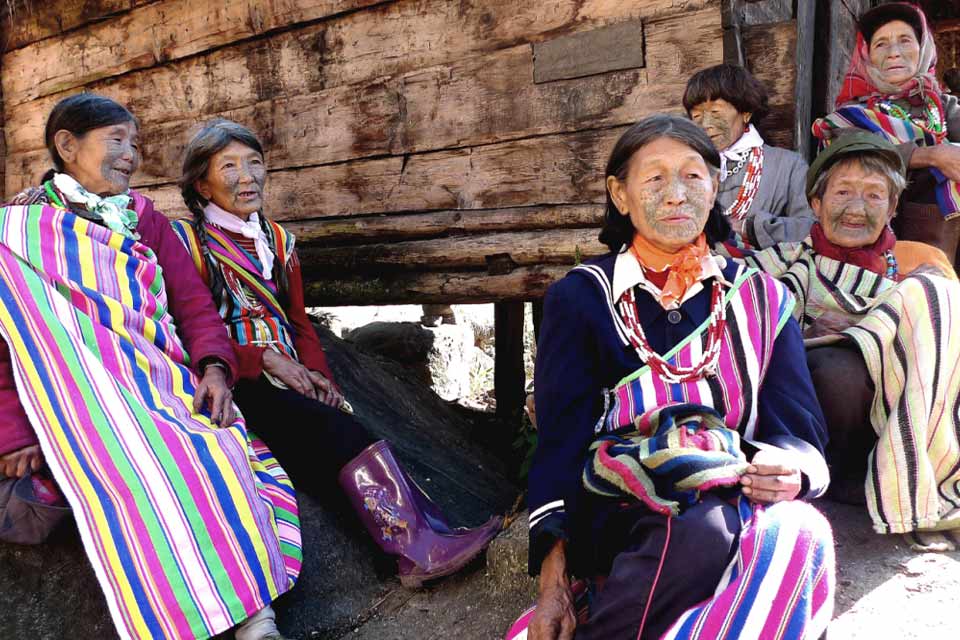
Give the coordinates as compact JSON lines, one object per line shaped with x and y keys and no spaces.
{"x":312,"y":441}
{"x":845,"y":392}
{"x":701,"y":543}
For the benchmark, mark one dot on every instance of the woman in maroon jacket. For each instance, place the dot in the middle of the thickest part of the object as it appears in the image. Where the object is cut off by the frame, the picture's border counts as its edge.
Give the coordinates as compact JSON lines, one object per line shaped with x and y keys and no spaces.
{"x":285,"y":390}
{"x":93,"y":142}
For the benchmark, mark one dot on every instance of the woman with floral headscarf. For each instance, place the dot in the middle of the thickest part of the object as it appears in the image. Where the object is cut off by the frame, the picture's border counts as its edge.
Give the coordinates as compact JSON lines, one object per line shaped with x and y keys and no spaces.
{"x":891,"y":89}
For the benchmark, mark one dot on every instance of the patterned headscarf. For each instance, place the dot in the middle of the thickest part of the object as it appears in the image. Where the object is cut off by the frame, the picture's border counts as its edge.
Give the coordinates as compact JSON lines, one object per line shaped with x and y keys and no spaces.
{"x":864,"y":82}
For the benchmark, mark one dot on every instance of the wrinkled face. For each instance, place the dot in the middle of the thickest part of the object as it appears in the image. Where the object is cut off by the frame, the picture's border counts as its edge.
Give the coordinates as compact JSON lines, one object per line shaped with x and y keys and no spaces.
{"x":235,"y":179}
{"x":855,"y":207}
{"x":668,"y":193}
{"x":721,"y":120}
{"x":103,"y":159}
{"x":894,"y":50}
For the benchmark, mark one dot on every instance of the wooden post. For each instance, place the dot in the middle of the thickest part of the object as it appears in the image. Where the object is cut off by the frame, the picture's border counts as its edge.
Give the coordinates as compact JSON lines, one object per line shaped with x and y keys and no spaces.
{"x":806,"y":23}
{"x":537,"y":319}
{"x":509,"y":379}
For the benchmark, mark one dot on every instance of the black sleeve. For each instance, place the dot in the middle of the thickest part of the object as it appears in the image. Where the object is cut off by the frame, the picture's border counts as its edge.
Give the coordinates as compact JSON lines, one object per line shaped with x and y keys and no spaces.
{"x":569,"y":403}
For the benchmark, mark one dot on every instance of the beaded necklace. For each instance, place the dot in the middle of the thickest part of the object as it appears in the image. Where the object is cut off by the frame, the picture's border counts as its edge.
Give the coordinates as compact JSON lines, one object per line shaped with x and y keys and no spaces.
{"x":751,"y":184}
{"x":931,"y":120}
{"x":736,"y":169}
{"x":675,"y":374}
{"x":892,"y":268}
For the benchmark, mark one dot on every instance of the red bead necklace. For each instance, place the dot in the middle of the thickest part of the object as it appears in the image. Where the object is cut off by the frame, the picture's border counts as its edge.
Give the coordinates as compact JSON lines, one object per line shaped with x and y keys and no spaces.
{"x":675,"y":374}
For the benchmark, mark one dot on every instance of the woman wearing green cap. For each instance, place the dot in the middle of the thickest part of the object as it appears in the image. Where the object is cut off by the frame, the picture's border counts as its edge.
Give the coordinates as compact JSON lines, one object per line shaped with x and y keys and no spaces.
{"x":878,"y":316}
{"x":891,"y":89}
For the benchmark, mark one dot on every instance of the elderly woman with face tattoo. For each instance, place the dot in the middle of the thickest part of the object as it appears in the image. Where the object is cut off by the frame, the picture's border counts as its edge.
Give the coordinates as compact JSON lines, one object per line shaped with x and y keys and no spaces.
{"x":761,"y":187}
{"x":891,"y":89}
{"x":879,"y":316}
{"x":115,"y":399}
{"x":285,"y":389}
{"x":678,"y":425}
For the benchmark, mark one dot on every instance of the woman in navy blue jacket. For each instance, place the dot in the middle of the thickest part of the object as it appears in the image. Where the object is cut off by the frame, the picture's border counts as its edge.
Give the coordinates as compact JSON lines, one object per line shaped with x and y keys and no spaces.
{"x":677,"y":422}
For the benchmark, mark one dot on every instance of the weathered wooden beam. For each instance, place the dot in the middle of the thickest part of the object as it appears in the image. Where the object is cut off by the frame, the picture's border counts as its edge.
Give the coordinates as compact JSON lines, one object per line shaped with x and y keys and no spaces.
{"x":586,"y":53}
{"x":523,"y":283}
{"x":564,"y":168}
{"x":389,"y":228}
{"x":560,"y":246}
{"x":476,"y":101}
{"x":390,"y":39}
{"x":509,"y":377}
{"x":149,"y":35}
{"x":28,"y":21}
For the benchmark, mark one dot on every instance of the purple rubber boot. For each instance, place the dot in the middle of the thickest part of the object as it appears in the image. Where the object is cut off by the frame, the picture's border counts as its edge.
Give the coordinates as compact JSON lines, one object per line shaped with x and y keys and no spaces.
{"x":405,"y":523}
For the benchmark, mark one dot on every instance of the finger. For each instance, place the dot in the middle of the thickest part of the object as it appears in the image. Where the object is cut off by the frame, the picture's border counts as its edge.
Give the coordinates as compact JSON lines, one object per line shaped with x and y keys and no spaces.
{"x":762,"y":495}
{"x":36,"y":462}
{"x":780,"y":484}
{"x":307,"y":384}
{"x":771,"y":469}
{"x":320,"y":381}
{"x":330,"y":399}
{"x":229,"y":409}
{"x":199,"y":397}
{"x":216,"y":407}
{"x":567,"y":626}
{"x":23,"y":463}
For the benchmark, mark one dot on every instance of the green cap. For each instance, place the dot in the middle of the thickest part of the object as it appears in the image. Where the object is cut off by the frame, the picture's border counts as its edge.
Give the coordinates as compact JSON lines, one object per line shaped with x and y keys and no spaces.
{"x":852,"y":142}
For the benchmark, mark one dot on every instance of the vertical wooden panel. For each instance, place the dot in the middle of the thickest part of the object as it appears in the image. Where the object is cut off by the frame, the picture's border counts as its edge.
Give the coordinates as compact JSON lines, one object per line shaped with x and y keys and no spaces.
{"x":803,"y":90}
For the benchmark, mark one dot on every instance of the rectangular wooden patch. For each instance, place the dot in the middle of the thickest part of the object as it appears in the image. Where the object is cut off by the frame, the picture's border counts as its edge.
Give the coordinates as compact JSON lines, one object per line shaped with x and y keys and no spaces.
{"x":613,"y":48}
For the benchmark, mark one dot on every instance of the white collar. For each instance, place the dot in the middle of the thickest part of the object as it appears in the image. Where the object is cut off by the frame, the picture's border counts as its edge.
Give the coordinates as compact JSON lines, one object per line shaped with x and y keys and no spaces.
{"x":750,"y":139}
{"x":627,"y":273}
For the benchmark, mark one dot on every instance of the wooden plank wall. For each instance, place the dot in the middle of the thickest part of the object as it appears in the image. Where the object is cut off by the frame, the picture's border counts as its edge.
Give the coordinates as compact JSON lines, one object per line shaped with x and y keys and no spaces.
{"x":777,"y":47}
{"x":411,"y":149}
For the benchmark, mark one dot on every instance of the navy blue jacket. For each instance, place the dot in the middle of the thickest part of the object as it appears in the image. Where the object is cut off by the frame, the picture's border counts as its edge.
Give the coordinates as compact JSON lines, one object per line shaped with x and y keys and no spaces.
{"x":579,"y":353}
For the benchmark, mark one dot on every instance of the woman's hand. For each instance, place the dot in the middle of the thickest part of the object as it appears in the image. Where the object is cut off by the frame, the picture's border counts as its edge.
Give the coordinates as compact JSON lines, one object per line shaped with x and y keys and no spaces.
{"x":771,"y":477}
{"x":214,"y":391}
{"x":289,"y":372}
{"x":945,"y":157}
{"x":325,"y":390}
{"x":554,"y":618}
{"x":16,"y":463}
{"x":829,"y":323}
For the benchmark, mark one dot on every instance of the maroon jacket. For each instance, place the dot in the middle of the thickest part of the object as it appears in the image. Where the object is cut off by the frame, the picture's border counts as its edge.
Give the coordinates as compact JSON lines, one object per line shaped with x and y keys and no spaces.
{"x":191,"y":305}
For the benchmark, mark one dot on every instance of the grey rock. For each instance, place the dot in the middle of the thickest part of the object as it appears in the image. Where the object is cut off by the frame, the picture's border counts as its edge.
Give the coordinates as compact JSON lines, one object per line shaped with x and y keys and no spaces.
{"x":440,"y":356}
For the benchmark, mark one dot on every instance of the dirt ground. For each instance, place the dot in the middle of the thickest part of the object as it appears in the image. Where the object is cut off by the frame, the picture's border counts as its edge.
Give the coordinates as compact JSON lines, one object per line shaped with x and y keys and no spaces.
{"x":885,"y":591}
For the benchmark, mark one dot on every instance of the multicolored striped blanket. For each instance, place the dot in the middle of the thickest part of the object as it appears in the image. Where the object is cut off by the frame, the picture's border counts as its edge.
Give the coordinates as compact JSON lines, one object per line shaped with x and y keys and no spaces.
{"x":780,"y":584}
{"x":190,"y":528}
{"x":907,"y":333}
{"x":676,"y":452}
{"x":896,"y":130}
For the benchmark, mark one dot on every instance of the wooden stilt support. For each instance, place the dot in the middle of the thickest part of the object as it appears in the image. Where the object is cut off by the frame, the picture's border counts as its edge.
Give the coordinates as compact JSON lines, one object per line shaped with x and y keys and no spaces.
{"x":537,"y":318}
{"x":508,"y":374}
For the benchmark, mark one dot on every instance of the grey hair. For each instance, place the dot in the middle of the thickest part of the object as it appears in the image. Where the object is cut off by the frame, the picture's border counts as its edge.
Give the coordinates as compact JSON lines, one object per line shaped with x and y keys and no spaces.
{"x":213,"y":138}
{"x":869,"y":162}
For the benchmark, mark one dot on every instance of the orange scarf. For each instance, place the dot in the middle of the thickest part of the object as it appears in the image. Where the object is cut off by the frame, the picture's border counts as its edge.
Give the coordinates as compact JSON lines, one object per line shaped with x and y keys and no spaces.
{"x":685,"y":266}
